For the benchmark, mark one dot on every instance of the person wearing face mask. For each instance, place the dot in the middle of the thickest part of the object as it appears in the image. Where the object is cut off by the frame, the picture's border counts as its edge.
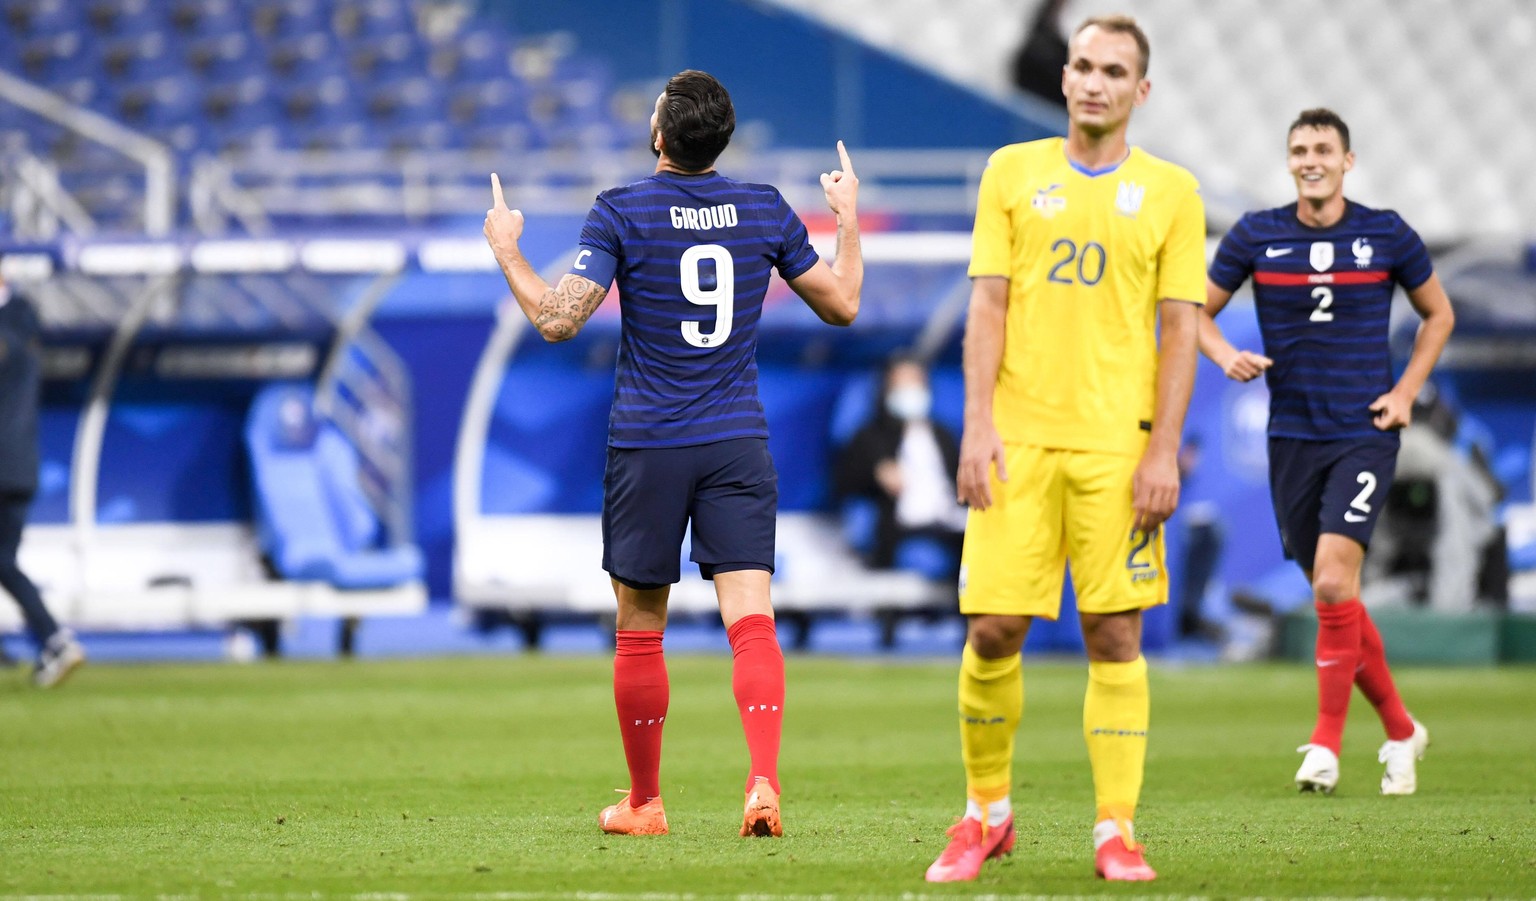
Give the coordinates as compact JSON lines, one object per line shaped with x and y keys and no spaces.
{"x":905,"y":462}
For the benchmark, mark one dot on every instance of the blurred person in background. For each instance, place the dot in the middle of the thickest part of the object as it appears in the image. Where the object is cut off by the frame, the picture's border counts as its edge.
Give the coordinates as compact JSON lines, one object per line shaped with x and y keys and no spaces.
{"x":58,"y":653}
{"x":1038,"y":61}
{"x":1087,"y":266}
{"x":1324,"y":269}
{"x":692,"y":252}
{"x":905,"y":462}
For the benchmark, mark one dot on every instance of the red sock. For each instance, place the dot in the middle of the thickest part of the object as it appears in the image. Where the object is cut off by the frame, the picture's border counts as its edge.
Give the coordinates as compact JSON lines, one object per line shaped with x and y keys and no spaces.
{"x":1375,"y":681}
{"x":640,"y":694}
{"x":1338,"y":651}
{"x":758,"y":680}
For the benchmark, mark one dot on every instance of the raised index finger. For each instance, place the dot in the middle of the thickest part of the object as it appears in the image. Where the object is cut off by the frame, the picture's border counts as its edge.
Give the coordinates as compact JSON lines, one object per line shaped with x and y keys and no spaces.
{"x":842,"y":152}
{"x":499,"y":200}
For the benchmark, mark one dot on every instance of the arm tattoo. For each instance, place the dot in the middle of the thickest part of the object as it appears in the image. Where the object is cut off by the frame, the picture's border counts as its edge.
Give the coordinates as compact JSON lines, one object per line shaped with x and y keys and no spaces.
{"x":566,"y":307}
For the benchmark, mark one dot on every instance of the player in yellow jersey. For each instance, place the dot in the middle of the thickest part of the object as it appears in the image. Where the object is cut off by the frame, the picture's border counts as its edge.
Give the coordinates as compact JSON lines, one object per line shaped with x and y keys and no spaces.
{"x":1072,"y":422}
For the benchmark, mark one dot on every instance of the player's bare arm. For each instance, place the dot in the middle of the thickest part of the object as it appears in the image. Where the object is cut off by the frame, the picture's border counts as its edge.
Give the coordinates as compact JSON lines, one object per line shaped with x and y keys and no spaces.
{"x":1394,"y":410}
{"x":1155,"y":486}
{"x":833,"y":292}
{"x":981,"y":446}
{"x":559,"y":312}
{"x":1239,"y":365}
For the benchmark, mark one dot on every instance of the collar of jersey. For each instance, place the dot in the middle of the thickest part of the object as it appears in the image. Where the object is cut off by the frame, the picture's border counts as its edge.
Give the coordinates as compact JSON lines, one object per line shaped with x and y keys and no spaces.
{"x":1349,"y":210}
{"x":1103,"y":170}
{"x":688,"y":175}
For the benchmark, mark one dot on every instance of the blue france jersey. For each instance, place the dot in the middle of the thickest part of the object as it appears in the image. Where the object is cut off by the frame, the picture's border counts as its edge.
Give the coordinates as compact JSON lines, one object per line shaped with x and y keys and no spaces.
{"x":1323,"y":297}
{"x":693,"y":255}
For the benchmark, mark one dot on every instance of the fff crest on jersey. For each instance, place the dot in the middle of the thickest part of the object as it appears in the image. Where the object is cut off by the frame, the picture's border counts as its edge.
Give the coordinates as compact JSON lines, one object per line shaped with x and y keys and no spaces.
{"x":1363,"y":252}
{"x":1047,"y":202}
{"x":1322,"y":255}
{"x":1128,"y":197}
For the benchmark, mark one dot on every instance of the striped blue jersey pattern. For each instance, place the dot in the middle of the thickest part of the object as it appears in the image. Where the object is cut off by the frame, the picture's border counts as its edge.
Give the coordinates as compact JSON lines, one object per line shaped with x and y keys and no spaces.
{"x":693,"y":255}
{"x":1324,"y":298}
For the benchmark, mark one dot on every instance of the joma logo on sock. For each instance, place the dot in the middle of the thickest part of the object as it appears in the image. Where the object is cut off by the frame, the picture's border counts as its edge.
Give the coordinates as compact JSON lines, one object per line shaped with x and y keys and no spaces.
{"x":982,"y":720}
{"x":1121,"y":733}
{"x":656,"y":721}
{"x":762,"y":708}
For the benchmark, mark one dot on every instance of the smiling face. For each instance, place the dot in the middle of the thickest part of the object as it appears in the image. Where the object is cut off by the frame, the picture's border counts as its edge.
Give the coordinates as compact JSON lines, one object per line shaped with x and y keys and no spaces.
{"x":1317,"y":160}
{"x":1102,"y":81}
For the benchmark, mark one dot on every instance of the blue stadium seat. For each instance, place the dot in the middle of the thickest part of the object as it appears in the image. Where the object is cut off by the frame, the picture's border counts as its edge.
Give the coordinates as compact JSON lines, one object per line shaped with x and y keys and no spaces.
{"x":207,"y":18}
{"x":477,"y":57}
{"x":33,"y":18}
{"x":123,"y":17}
{"x":159,"y":103}
{"x":372,"y":17}
{"x":223,"y":57}
{"x":507,"y":137}
{"x":140,"y":57}
{"x":328,"y":101}
{"x":312,"y":518}
{"x":289,"y":18}
{"x":385,"y":57}
{"x":305,"y":56}
{"x":491,"y":102}
{"x":409,"y":101}
{"x":52,"y":58}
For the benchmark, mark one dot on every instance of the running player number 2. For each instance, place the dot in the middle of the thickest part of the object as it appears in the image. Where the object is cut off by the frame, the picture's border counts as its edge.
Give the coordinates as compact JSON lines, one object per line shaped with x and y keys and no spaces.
{"x":722,"y":296}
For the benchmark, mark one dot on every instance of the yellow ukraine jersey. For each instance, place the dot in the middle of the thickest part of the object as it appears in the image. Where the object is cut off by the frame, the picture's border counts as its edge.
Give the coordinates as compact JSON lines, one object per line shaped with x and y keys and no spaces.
{"x":1087,"y":256}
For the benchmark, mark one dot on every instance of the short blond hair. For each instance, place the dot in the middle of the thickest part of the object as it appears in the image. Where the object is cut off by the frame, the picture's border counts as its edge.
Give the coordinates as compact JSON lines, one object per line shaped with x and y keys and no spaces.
{"x":1121,"y":24}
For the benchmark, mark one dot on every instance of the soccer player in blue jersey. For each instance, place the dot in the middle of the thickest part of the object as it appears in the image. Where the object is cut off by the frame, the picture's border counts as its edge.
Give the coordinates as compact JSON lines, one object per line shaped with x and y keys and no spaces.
{"x":1324,"y":270}
{"x":693,"y":252}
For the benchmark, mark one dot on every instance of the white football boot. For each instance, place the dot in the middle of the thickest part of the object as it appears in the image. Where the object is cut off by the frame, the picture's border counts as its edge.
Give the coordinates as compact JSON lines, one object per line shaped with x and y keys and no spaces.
{"x":1401,"y":757}
{"x":1319,"y":770}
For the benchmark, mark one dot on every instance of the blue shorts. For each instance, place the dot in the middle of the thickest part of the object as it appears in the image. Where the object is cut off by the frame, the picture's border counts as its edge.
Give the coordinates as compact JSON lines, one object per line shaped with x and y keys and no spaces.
{"x":729,"y":490}
{"x":1328,"y":486}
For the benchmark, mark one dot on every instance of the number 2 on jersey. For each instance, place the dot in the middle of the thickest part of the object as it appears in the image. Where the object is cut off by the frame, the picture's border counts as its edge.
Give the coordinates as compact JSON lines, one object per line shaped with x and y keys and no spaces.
{"x":722,"y":296}
{"x":1324,"y":297}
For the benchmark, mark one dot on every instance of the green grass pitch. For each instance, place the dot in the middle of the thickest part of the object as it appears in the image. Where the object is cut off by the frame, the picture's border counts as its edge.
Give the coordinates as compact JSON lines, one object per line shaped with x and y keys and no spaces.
{"x":481,"y":778}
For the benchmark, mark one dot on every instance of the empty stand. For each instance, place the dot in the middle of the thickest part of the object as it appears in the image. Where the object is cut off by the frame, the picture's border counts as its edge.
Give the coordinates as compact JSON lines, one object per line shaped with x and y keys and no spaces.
{"x":1441,"y":95}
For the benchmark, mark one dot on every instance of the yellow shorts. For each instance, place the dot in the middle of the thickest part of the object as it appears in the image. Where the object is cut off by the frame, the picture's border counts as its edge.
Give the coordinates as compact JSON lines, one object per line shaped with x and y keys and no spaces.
{"x":1061,"y":505}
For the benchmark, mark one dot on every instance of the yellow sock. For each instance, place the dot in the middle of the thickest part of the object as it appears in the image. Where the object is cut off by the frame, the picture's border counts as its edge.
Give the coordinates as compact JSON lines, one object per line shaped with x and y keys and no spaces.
{"x":991,"y":703}
{"x":1115,"y":715}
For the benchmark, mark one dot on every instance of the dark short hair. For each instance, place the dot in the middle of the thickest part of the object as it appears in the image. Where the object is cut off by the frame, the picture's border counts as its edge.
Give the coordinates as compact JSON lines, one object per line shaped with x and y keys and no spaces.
{"x":696,"y":118}
{"x":1120,"y":24}
{"x":902,"y":357}
{"x":1321,"y":117}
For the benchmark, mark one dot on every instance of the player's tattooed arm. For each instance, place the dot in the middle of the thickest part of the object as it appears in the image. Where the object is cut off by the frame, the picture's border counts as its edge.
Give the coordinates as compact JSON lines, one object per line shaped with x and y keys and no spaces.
{"x":566,"y":307}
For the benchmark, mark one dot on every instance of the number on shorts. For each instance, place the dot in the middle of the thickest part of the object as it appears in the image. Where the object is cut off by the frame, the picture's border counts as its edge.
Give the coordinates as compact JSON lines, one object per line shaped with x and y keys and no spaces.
{"x":722,"y":296}
{"x":1137,"y":546}
{"x":1359,"y":503}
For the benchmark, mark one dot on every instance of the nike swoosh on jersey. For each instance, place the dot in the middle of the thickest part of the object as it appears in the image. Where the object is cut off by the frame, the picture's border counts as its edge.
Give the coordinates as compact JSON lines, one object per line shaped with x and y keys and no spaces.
{"x":1327,"y":662}
{"x":1273,"y":252}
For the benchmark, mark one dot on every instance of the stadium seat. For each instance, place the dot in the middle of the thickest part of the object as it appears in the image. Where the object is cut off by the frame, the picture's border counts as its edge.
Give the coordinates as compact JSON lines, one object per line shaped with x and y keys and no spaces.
{"x":313,"y":520}
{"x":372,"y":17}
{"x":207,"y":18}
{"x":223,"y":57}
{"x":305,"y":56}
{"x":288,"y":18}
{"x":30,"y":18}
{"x":122,"y":17}
{"x":390,"y":56}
